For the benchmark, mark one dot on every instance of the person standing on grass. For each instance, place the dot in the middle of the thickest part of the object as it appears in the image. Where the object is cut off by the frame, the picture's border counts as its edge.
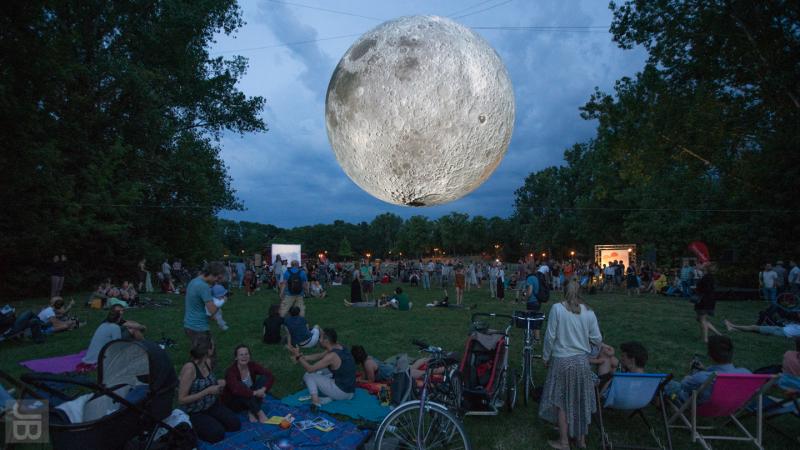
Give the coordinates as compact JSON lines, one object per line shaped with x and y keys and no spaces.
{"x":794,"y":278}
{"x":707,"y":302}
{"x":57,"y":275}
{"x":769,"y":281}
{"x":294,"y":284}
{"x":199,"y":301}
{"x":568,"y":398}
{"x":460,"y":283}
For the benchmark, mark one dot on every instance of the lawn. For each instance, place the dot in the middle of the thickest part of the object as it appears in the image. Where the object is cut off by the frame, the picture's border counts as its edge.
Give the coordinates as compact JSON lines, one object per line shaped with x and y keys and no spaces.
{"x":665,"y":326}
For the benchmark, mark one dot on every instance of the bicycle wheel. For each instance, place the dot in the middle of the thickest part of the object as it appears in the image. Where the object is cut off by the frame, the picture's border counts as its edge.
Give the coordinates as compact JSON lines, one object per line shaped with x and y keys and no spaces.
{"x":511,"y":389}
{"x":449,"y":392}
{"x":526,"y":377}
{"x":440,"y":429}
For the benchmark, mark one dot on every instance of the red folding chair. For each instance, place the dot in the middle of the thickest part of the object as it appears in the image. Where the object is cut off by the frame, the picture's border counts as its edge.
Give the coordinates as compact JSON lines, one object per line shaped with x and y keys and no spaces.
{"x":730,"y":394}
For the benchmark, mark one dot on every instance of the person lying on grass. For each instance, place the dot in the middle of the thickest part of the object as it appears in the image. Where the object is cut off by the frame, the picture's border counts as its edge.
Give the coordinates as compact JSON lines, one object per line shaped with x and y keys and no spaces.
{"x":55,"y":317}
{"x":331,"y":373}
{"x":790,"y":330}
{"x":378,"y":371}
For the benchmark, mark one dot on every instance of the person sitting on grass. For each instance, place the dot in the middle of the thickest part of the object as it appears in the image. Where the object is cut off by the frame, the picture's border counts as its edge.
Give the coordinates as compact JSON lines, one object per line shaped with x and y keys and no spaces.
{"x":127,"y":293}
{"x":399,"y":301}
{"x":720,"y":350}
{"x":299,"y":335}
{"x":198,"y":392}
{"x":246,"y":385}
{"x":112,"y":328}
{"x":374,"y":369}
{"x":790,"y":370}
{"x":272,"y":325}
{"x":316,"y":289}
{"x":790,"y":330}
{"x":331,"y":373}
{"x":54,"y":317}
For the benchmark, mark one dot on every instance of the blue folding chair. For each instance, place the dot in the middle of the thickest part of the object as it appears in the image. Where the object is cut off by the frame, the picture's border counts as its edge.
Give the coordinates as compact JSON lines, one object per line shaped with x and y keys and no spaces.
{"x":632,"y":393}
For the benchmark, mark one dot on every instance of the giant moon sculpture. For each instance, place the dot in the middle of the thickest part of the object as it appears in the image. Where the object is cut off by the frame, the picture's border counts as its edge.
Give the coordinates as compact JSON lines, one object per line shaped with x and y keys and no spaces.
{"x":419,"y":111}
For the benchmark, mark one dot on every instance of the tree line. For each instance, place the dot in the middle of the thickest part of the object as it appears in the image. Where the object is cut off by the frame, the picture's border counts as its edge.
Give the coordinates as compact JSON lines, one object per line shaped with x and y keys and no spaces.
{"x":112,"y":114}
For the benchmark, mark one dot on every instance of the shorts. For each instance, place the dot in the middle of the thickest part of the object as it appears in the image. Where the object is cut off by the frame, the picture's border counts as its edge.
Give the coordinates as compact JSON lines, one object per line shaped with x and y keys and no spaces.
{"x":772,"y":331}
{"x":366,"y":286}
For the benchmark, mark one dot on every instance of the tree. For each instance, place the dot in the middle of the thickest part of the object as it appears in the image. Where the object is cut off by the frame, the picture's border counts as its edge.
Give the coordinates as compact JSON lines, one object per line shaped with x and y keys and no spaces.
{"x":111,"y":117}
{"x":344,"y":249}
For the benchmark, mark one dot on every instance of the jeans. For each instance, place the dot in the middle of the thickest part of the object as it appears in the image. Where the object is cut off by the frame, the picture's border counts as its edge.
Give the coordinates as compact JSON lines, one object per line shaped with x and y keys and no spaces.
{"x":426,"y":280}
{"x":771,"y":294}
{"x":686,"y":288}
{"x":211,"y":424}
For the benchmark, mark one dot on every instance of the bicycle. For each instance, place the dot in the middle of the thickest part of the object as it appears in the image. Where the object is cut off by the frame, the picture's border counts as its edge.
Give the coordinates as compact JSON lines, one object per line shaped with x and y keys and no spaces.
{"x":526,"y":320}
{"x":424,"y":423}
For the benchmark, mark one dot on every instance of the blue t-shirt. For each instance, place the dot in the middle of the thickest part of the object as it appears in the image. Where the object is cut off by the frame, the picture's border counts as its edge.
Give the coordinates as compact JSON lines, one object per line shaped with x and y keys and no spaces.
{"x":533,"y":282}
{"x":288,"y":273}
{"x":198,"y":292}
{"x":298,"y":329}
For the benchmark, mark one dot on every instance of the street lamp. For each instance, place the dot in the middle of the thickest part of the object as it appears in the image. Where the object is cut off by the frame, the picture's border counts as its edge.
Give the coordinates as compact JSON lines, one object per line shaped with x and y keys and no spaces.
{"x":369,"y":255}
{"x":630,"y":250}
{"x":544,"y":254}
{"x":572,"y":253}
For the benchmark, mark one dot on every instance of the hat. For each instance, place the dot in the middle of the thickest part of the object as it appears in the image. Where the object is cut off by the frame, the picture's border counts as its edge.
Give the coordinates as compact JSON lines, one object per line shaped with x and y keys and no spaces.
{"x":218,"y":291}
{"x":544,"y":269}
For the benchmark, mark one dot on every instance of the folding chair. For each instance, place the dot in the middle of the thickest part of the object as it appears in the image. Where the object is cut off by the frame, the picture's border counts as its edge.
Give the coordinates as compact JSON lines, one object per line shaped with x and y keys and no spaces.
{"x":777,"y":407}
{"x":730,"y":395}
{"x":632,"y":392}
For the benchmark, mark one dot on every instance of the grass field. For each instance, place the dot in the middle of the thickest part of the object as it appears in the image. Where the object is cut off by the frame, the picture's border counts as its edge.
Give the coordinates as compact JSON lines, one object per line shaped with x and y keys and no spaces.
{"x":665,"y":325}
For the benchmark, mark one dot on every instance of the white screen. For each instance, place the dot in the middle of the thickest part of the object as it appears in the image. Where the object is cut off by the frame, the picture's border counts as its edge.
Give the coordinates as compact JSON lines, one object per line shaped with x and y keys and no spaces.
{"x":288,"y":252}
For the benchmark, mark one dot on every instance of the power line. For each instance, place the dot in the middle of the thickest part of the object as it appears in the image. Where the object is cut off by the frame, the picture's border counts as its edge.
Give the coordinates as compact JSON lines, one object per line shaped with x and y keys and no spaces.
{"x":288,"y":44}
{"x":553,"y":28}
{"x":482,"y":10}
{"x":334,"y":11}
{"x":469,"y":7}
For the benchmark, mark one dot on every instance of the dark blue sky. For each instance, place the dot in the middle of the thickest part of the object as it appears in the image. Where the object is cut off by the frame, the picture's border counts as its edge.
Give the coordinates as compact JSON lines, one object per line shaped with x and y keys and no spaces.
{"x":289,"y":175}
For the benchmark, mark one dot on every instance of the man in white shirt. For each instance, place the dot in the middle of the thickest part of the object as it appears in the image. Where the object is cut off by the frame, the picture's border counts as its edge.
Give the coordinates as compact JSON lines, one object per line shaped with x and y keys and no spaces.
{"x":493,"y":272}
{"x":769,"y":280}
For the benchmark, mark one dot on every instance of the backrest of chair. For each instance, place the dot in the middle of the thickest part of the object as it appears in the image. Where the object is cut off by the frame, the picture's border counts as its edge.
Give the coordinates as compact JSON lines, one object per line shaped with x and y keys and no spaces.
{"x":730,"y":392}
{"x":632,"y":391}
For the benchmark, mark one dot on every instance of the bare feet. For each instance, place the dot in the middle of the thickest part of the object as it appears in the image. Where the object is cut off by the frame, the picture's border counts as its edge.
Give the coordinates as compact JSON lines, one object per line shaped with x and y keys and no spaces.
{"x":729,"y":325}
{"x":252,"y":418}
{"x":559,"y":445}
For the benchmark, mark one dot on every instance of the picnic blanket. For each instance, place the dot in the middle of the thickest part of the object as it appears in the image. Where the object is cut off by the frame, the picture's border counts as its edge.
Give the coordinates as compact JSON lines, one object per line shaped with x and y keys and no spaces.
{"x":55,"y":364}
{"x":345,"y":435}
{"x":362,"y":406}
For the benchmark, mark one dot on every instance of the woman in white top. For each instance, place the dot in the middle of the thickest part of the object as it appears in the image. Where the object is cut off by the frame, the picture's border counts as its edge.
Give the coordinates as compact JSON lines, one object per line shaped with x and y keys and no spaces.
{"x":568,"y":396}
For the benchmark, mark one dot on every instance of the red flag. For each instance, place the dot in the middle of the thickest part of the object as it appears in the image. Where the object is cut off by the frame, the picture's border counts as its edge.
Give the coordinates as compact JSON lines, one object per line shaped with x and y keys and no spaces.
{"x":700,"y":250}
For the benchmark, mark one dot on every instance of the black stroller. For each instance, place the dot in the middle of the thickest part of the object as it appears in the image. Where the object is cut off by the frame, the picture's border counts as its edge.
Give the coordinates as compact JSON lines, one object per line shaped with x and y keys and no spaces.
{"x":124,"y":409}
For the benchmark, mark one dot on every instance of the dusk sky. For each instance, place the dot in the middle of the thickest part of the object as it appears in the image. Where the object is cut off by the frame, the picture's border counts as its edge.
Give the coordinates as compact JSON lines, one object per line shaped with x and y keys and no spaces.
{"x":289,"y":176}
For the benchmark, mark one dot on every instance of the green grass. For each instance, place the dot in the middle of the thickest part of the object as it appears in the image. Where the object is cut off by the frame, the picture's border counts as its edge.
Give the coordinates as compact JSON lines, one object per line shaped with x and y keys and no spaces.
{"x":665,"y":326}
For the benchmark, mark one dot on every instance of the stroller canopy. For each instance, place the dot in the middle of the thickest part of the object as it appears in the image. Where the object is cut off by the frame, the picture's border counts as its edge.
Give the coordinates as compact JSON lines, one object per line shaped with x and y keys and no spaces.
{"x":135,"y":362}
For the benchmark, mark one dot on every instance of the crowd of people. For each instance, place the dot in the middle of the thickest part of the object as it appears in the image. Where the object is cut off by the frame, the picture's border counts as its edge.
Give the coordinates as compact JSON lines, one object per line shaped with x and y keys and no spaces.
{"x":574,"y":353}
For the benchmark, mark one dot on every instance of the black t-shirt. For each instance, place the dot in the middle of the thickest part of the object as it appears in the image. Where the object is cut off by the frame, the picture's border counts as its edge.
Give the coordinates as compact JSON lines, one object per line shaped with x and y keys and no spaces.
{"x":705,"y":289}
{"x":272,"y":329}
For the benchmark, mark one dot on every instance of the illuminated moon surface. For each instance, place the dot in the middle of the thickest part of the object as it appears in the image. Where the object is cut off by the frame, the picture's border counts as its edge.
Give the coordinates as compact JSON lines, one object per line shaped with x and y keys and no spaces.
{"x":419,"y":111}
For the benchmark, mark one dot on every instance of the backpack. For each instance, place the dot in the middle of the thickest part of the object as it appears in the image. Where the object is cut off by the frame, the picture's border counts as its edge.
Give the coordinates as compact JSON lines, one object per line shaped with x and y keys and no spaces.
{"x":295,"y":283}
{"x":543,"y":295}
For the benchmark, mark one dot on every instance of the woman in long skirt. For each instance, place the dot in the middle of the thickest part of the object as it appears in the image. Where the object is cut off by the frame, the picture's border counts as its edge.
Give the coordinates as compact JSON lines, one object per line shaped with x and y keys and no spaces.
{"x":568,"y":396}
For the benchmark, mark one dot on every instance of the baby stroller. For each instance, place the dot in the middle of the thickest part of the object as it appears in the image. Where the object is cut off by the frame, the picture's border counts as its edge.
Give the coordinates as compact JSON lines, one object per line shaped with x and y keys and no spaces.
{"x":125,"y":409}
{"x":489,"y":384}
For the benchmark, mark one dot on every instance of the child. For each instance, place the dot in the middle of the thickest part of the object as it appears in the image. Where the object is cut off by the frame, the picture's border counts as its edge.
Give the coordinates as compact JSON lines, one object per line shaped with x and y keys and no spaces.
{"x":299,"y":335}
{"x":272,"y":325}
{"x":219,"y":296}
{"x":249,"y":282}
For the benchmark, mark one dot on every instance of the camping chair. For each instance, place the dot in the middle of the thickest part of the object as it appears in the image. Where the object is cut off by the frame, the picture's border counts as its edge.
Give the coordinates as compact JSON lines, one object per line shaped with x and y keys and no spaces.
{"x":777,"y":407}
{"x":730,"y":395}
{"x":632,"y":392}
